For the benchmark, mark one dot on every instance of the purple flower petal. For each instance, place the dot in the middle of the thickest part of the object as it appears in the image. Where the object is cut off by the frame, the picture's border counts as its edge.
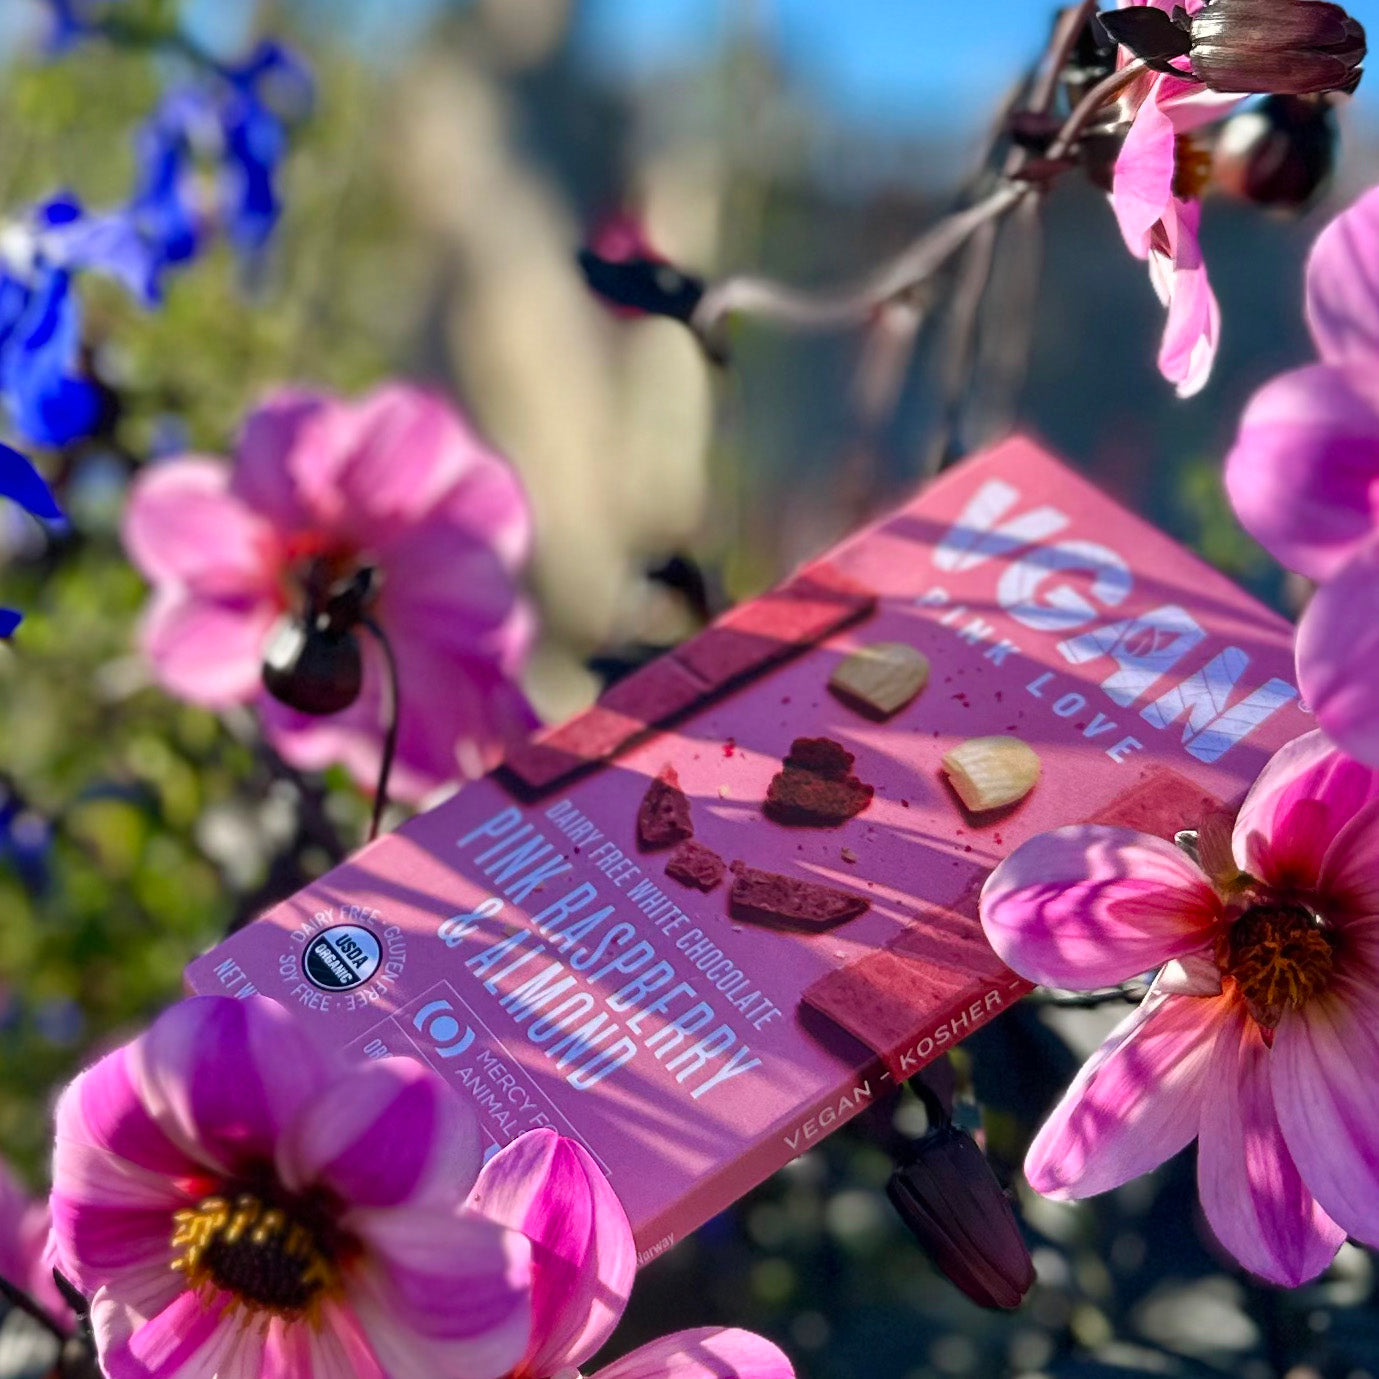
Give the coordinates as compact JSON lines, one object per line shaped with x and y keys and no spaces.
{"x":1338,"y":655}
{"x":1304,"y":472}
{"x":1343,"y":287}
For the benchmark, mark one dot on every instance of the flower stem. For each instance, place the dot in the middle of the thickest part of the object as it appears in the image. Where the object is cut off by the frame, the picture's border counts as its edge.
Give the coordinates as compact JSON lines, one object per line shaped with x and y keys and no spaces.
{"x":394,"y":717}
{"x":17,"y":1297}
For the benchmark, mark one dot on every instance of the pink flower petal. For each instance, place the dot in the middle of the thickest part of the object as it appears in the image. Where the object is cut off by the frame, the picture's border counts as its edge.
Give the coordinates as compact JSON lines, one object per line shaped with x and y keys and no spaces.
{"x":444,"y":1295}
{"x":1343,"y":287}
{"x":183,"y":526}
{"x":188,"y":1339}
{"x":1325,"y":1067}
{"x":371,"y":469}
{"x":1338,"y":655}
{"x":489,"y":502}
{"x":262,"y":478}
{"x":117,"y":1178}
{"x":443,"y":737}
{"x":1304,"y":471}
{"x":1193,"y":328}
{"x":447,"y":589}
{"x":1142,"y":185}
{"x":225,"y":1078}
{"x":333,"y":1345}
{"x":1089,"y":906}
{"x":1304,"y":796}
{"x":393,"y":1132}
{"x":1136,"y":1102}
{"x":1254,"y":1198}
{"x":103,"y":1109}
{"x":707,"y":1353}
{"x":548,"y":1189}
{"x":1348,"y":884}
{"x":210,"y":653}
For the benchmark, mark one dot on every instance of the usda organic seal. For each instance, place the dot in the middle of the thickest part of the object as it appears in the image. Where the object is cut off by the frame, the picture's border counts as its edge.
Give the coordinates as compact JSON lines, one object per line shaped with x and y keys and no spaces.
{"x":341,"y":958}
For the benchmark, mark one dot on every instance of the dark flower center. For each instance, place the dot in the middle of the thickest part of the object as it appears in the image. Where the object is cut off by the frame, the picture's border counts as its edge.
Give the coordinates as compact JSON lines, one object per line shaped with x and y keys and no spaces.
{"x":278,"y":1258}
{"x":1280,"y":955}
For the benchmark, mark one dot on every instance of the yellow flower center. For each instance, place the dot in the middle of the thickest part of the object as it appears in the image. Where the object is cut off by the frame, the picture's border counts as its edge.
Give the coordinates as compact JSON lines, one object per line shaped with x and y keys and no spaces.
{"x":276,"y":1259}
{"x":1279,"y":954}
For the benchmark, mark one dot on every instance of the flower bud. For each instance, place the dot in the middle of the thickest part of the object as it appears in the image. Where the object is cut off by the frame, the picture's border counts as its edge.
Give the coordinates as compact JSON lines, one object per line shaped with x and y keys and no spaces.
{"x":1273,"y":47}
{"x":315,"y":669}
{"x":1278,"y":47}
{"x":1279,"y":153}
{"x":621,"y":266}
{"x":949,"y":1197}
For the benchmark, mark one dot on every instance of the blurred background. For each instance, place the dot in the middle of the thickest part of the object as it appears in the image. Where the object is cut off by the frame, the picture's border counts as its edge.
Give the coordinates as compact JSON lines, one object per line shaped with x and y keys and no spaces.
{"x":457,"y":157}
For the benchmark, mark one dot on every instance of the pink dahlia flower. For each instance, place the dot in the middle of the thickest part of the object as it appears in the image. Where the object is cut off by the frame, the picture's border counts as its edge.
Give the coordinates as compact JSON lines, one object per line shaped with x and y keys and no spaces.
{"x":1257,"y":1037}
{"x":24,"y":1258}
{"x":235,"y":1203}
{"x":393,"y":489}
{"x":1159,"y":176}
{"x":239,"y":1205}
{"x":1303,"y":477}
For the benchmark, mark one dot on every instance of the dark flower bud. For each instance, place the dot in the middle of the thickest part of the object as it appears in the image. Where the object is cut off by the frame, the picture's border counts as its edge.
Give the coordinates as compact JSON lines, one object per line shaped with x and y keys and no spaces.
{"x":1277,"y":47}
{"x":1279,"y":153}
{"x":316,"y":669}
{"x":949,"y":1197}
{"x":1273,"y":47}
{"x":645,"y":285}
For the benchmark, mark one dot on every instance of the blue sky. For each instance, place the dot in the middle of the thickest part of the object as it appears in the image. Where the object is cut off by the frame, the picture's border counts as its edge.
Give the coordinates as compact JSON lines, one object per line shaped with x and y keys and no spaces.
{"x":894,"y":63}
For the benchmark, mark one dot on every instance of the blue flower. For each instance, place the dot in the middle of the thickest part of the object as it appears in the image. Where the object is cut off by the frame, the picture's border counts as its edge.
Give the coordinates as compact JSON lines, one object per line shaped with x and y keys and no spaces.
{"x":235,"y":122}
{"x":73,"y":20}
{"x":21,"y":482}
{"x":26,"y":839}
{"x":48,"y":401}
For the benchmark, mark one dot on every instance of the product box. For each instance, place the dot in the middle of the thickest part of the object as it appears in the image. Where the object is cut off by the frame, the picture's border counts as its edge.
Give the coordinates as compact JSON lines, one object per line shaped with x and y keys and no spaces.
{"x":527,"y":941}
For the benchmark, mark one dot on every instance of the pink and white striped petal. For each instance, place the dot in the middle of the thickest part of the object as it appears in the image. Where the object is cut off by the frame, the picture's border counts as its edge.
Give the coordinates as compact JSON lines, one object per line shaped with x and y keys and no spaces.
{"x":441,"y":1295}
{"x":1325,"y":1067}
{"x":390,"y":1133}
{"x":223,"y":1079}
{"x":1301,"y":800}
{"x":1090,"y":906}
{"x":1255,"y":1200}
{"x":1136,"y":1102}
{"x":583,"y":1258}
{"x":189,"y":1338}
{"x":706,"y":1353}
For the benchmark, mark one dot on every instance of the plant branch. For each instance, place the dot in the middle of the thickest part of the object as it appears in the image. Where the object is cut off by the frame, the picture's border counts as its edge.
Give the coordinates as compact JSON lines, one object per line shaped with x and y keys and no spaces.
{"x":849,"y":306}
{"x":17,"y":1297}
{"x":394,"y":717}
{"x":773,"y":301}
{"x":1100,"y":95}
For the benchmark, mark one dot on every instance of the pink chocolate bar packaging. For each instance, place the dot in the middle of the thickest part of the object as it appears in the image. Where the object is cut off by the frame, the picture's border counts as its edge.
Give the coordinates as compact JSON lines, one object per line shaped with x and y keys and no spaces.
{"x":702,"y":924}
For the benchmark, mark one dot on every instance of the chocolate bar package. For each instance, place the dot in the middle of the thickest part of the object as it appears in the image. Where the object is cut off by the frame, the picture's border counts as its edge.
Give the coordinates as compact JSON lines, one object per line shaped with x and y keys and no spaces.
{"x":704,"y":923}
